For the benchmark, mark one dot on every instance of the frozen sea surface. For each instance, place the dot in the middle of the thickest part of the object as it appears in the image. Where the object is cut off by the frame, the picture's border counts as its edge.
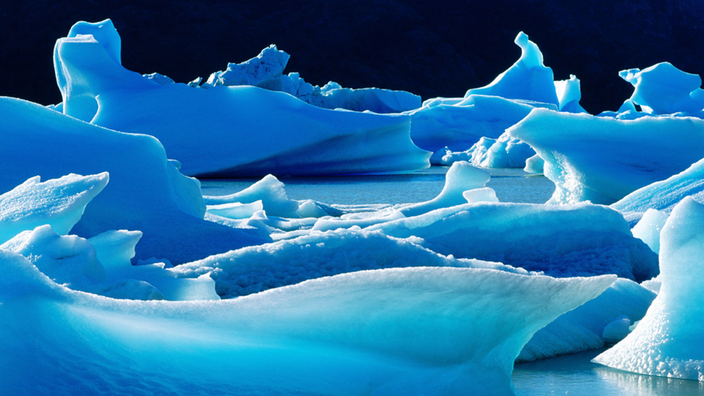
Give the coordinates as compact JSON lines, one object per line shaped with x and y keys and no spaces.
{"x":511,"y":185}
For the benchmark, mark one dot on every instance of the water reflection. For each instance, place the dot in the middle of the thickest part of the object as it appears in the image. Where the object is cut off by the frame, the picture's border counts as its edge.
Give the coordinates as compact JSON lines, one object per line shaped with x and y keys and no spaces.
{"x":576,"y":375}
{"x":646,"y":385}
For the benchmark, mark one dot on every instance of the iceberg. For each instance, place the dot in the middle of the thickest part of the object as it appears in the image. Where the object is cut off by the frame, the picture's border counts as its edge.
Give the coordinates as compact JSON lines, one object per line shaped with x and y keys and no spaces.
{"x":534,"y":165}
{"x":649,"y":227}
{"x":504,"y":152}
{"x":226,"y":131}
{"x":614,"y":157}
{"x":564,"y":240}
{"x":395,"y":331}
{"x":664,"y":89}
{"x":57,"y":202}
{"x":458,"y":123}
{"x":485,"y":113}
{"x":266,"y":71}
{"x":663,"y":195}
{"x":667,"y":341}
{"x":569,"y":94}
{"x":527,"y":79}
{"x":591,"y":326}
{"x":146,"y":192}
{"x":267,"y":194}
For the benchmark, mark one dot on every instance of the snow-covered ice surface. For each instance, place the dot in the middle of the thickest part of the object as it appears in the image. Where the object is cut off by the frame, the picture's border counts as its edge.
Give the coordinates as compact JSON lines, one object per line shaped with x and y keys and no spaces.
{"x":226,"y":131}
{"x":57,"y":202}
{"x":564,"y":240}
{"x":668,"y":341}
{"x":369,"y":332}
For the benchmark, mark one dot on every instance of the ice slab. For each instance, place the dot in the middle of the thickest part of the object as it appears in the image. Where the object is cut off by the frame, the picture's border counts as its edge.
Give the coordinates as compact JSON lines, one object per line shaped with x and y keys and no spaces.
{"x":667,"y":341}
{"x":396,"y":331}
{"x":57,"y":202}
{"x":664,"y":89}
{"x":614,"y":157}
{"x":562,"y":240}
{"x":663,"y":195}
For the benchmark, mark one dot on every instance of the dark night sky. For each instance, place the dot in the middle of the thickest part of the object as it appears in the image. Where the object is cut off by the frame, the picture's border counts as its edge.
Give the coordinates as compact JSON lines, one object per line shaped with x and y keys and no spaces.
{"x":438,"y":48}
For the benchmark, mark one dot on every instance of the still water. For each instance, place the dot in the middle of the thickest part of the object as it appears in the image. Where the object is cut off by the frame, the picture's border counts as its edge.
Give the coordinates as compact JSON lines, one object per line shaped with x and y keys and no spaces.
{"x":572,"y":375}
{"x":511,"y":185}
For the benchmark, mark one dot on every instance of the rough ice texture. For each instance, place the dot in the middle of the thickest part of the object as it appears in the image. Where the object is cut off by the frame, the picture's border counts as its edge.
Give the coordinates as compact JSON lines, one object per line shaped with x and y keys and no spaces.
{"x":527,"y":79}
{"x":565,"y":240}
{"x":614,"y":157}
{"x":287,"y":262}
{"x":665,"y":194}
{"x":668,"y":341}
{"x":101,"y":265}
{"x":266,"y":71}
{"x":386,"y":332}
{"x":146,"y":192}
{"x":504,"y":152}
{"x":57,"y":202}
{"x":664,"y":89}
{"x":228,"y":131}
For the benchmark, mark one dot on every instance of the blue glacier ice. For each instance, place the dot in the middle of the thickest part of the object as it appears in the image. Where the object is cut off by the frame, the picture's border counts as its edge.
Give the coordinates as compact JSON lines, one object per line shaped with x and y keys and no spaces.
{"x":665,"y":194}
{"x":664,"y":89}
{"x":146,"y":192}
{"x":458,"y":123}
{"x":527,"y":79}
{"x":211,"y":132}
{"x":649,"y":227}
{"x":668,"y":340}
{"x":504,"y":152}
{"x":57,"y":202}
{"x":563,"y":240}
{"x":584,"y":328}
{"x":385,"y":332}
{"x":465,"y":126}
{"x":266,"y":71}
{"x":613,"y":157}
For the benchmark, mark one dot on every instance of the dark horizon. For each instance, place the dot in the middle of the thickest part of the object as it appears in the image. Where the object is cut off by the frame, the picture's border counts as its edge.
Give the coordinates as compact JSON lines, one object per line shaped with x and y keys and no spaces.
{"x":433,"y":49}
